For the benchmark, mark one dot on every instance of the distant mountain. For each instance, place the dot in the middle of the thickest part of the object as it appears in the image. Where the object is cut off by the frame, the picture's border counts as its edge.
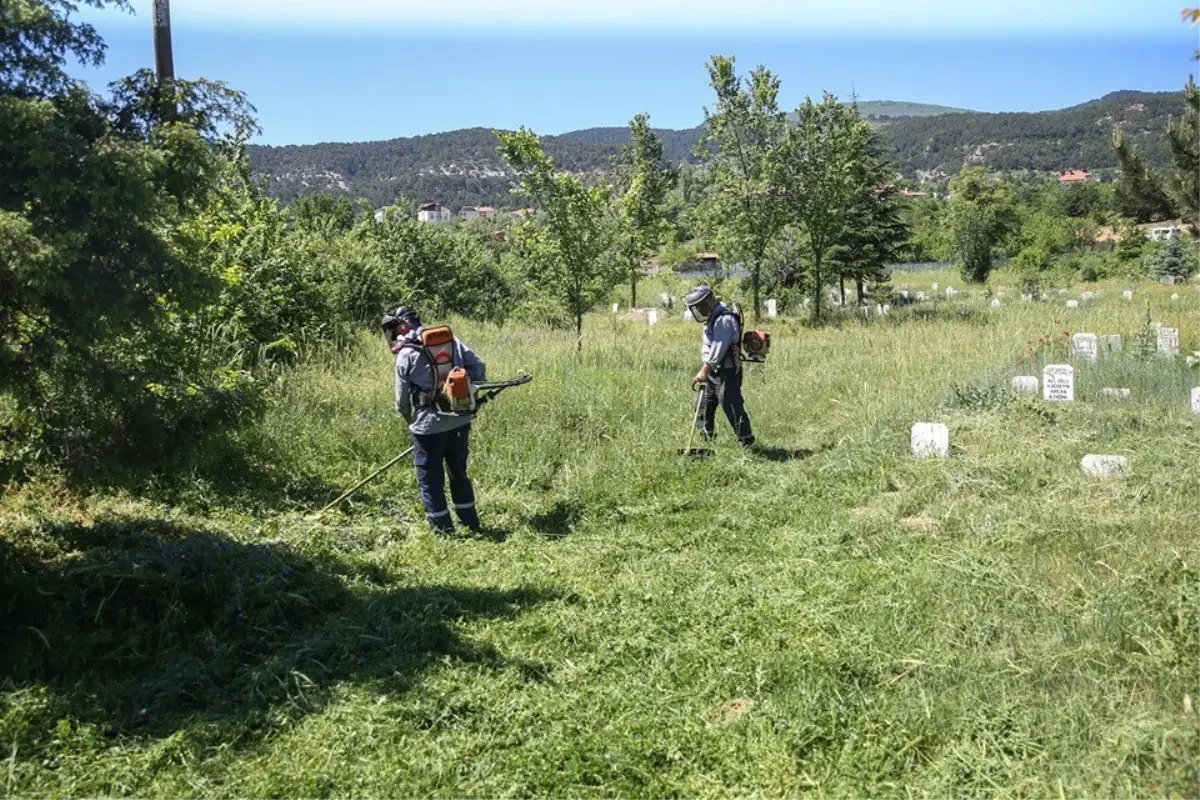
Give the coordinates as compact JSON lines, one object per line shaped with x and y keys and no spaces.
{"x":1079,"y":137}
{"x":891,"y":109}
{"x":461,"y":167}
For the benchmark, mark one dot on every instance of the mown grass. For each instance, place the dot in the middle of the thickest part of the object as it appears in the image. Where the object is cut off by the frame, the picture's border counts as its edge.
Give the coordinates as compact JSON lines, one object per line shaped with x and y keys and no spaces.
{"x":824,"y":617}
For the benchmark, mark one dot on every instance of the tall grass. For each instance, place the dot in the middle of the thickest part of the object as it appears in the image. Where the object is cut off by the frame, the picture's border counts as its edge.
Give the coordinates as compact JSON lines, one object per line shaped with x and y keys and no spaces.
{"x":825,"y":616}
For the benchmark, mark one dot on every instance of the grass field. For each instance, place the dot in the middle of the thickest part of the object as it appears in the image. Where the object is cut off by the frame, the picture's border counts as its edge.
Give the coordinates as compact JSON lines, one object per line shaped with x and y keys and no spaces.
{"x":824,"y":617}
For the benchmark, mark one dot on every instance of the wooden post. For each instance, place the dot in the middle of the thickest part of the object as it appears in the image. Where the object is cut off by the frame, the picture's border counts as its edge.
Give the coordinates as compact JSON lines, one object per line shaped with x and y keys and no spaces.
{"x":163,"y":61}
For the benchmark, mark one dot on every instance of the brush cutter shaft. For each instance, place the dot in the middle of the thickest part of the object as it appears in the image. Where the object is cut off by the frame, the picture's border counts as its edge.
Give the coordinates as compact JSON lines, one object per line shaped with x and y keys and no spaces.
{"x":365,"y":481}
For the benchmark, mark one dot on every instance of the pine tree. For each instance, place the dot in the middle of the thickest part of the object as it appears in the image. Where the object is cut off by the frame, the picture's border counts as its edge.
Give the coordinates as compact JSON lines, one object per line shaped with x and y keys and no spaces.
{"x":1172,"y":262}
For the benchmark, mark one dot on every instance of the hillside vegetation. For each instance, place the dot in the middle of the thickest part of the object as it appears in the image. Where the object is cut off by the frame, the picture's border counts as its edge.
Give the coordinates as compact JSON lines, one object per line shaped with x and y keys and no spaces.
{"x":825,"y":616}
{"x":462,"y":168}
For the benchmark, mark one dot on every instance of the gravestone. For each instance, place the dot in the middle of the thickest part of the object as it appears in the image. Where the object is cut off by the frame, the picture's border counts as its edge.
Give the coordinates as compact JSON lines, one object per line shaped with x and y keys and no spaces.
{"x":1174,"y":297}
{"x":616,"y":307}
{"x":1127,"y":294}
{"x":1085,"y":346}
{"x":934,"y":287}
{"x":1116,"y":394}
{"x":1043,"y":296}
{"x":807,"y":302}
{"x":653,"y":316}
{"x":1061,"y":292}
{"x":771,"y":309}
{"x":904,"y":293}
{"x":1111,"y":342}
{"x":1025,"y":384}
{"x":668,"y":302}
{"x":922,"y":296}
{"x":930,"y":440}
{"x":1104,"y":466}
{"x":687,"y":315}
{"x":1058,"y":383}
{"x":950,"y":292}
{"x":1027,"y":297}
{"x":1196,"y":400}
{"x":1086,"y":296}
{"x":1072,"y":304}
{"x":1168,"y":341}
{"x":996,"y":303}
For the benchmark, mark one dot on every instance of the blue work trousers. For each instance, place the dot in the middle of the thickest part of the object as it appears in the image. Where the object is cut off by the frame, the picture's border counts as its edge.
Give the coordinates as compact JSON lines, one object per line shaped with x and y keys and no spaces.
{"x":726,"y":391}
{"x":434,"y":455}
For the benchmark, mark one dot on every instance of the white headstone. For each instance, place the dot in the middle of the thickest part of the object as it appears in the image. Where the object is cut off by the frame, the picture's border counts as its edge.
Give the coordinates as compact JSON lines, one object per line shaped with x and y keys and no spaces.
{"x":1192,"y":361}
{"x":807,"y":302}
{"x":687,"y":315}
{"x":904,"y":293}
{"x":1086,"y":296}
{"x":1196,"y":399}
{"x":1174,"y":297}
{"x":667,"y":300}
{"x":1043,"y":296}
{"x":1025,"y":384}
{"x":1061,"y":292}
{"x":616,"y":307}
{"x":771,"y":308}
{"x":930,"y":440}
{"x":950,"y":292}
{"x":1026,"y":297}
{"x":1104,"y":466}
{"x":1072,"y":304}
{"x":1085,"y":346}
{"x":1111,"y":342}
{"x":1168,"y":341}
{"x":653,"y":316}
{"x":934,"y":287}
{"x":996,"y":303}
{"x":1116,"y":394}
{"x":887,"y":309}
{"x":1058,"y":383}
{"x":1127,"y":294}
{"x":879,"y":312}
{"x":922,"y":296}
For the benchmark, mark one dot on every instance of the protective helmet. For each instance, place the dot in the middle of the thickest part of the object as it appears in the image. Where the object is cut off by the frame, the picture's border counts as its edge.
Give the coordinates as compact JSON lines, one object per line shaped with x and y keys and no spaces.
{"x":695,"y":297}
{"x":402,"y":316}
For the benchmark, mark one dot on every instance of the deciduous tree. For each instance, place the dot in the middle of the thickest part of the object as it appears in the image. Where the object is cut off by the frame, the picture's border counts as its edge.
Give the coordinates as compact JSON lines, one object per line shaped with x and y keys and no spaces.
{"x":568,"y":247}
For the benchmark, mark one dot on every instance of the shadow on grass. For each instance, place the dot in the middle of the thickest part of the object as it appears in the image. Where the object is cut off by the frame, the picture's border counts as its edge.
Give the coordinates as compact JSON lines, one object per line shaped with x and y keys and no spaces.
{"x":784,"y":453}
{"x":559,"y":521}
{"x":140,"y":626}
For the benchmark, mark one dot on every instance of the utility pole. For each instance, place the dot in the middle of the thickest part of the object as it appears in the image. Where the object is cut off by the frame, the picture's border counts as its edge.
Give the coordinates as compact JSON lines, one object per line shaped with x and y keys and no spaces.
{"x":163,"y":61}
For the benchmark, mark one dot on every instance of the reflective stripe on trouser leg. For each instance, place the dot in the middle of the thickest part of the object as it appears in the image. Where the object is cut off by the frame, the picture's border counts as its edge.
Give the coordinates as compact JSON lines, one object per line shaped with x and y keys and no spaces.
{"x":461,"y":491}
{"x":427,"y":457}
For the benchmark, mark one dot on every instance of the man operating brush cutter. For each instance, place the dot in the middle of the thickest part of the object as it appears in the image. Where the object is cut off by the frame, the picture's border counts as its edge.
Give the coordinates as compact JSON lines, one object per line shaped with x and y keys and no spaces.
{"x":720,"y":375}
{"x":439,"y":388}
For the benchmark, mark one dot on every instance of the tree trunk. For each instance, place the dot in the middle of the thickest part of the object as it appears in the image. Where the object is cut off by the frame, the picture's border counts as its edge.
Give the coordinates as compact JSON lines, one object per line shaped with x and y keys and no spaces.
{"x":754,"y":281}
{"x":842,"y":289}
{"x":578,"y":330}
{"x":858,"y":286}
{"x":633,"y":288}
{"x":817,"y":287}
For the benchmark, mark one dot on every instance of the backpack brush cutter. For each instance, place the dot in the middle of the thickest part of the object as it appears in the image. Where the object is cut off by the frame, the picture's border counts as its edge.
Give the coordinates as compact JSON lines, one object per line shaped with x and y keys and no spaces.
{"x":485,"y":392}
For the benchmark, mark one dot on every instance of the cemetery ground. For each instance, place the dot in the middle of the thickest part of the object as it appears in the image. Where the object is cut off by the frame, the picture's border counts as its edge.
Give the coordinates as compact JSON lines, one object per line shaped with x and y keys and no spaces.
{"x":826,"y":616}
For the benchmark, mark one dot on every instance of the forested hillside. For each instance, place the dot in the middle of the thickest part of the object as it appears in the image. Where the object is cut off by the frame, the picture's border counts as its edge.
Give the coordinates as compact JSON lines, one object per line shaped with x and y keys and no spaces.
{"x":461,"y":167}
{"x":1079,"y":137}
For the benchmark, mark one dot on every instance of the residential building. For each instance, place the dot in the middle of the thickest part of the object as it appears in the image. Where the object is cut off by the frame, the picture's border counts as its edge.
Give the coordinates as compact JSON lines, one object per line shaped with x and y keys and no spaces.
{"x":468,"y":212}
{"x":433,"y":212}
{"x":1073,"y":176}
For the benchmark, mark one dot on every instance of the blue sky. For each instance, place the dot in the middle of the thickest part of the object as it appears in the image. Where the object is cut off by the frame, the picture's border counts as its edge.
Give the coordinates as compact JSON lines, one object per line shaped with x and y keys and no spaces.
{"x":357,"y":70}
